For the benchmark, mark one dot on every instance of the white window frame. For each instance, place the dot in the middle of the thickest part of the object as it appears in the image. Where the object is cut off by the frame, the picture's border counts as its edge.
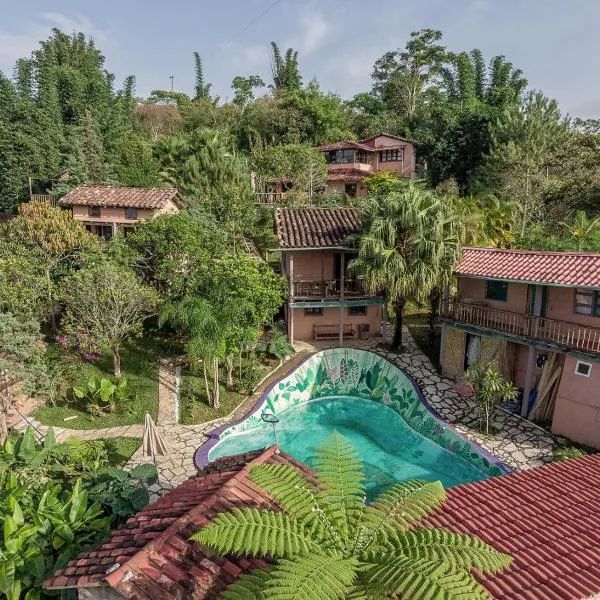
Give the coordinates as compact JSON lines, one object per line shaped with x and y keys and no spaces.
{"x":583,"y":362}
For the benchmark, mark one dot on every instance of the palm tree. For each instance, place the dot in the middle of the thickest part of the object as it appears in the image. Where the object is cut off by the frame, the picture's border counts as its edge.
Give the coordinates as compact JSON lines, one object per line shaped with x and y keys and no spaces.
{"x":582,"y":228}
{"x":408,"y":246}
{"x":197,"y":319}
{"x":286,"y":75}
{"x":327,"y":542}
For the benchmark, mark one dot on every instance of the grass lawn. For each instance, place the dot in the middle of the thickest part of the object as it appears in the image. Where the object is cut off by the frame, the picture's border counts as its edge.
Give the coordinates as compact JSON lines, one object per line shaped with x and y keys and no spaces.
{"x":421,"y":336}
{"x":194,"y":406}
{"x":571,"y":451}
{"x":139,"y":363}
{"x":121,"y":449}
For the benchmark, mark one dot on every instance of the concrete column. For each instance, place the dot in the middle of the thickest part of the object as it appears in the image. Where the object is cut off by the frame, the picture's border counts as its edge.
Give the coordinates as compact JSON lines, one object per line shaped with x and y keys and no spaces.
{"x":290,"y":309}
{"x":114,"y":229}
{"x":342,"y":284}
{"x":528,"y":381}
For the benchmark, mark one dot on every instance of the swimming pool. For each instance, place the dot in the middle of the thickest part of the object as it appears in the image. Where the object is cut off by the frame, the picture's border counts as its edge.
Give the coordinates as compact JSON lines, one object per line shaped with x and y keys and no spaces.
{"x":370,"y":401}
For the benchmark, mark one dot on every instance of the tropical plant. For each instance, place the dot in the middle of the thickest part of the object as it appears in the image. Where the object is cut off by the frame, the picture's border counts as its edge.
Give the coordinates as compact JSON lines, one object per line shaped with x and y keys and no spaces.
{"x":286,"y":75}
{"x":491,"y":389}
{"x":328,"y":533}
{"x":276,"y":344}
{"x":581,"y":229}
{"x":202,"y":89}
{"x":102,"y":394}
{"x":408,"y":246}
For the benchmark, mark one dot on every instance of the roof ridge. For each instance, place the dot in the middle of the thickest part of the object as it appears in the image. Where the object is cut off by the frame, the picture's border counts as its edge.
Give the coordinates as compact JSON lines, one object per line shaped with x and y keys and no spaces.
{"x":115,"y":576}
{"x":524,"y":251}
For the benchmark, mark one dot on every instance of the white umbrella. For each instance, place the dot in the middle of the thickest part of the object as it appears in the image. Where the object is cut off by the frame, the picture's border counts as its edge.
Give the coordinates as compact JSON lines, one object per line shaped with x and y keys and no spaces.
{"x":152,"y":443}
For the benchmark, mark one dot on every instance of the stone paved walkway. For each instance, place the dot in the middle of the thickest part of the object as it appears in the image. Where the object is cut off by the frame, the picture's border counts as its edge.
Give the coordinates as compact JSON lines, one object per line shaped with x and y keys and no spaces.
{"x":519,"y":443}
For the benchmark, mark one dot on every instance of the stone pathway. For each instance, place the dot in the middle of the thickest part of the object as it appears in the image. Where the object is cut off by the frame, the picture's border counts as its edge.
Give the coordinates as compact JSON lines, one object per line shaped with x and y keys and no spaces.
{"x":519,"y":443}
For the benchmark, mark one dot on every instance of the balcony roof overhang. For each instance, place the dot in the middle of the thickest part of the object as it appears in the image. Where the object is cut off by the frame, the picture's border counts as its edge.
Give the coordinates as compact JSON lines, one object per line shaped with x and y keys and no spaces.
{"x":335,"y":303}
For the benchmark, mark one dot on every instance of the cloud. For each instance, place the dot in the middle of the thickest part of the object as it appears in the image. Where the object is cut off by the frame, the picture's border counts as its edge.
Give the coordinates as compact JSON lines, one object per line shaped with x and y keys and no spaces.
{"x":18,"y":45}
{"x":314,"y":32}
{"x":251,"y":56}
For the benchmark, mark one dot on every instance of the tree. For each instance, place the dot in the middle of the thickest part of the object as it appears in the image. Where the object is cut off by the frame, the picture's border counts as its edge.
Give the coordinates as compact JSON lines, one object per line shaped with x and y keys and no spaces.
{"x":107,"y":302}
{"x":327,"y":533}
{"x":243,"y":87}
{"x":53,"y":238}
{"x":581,"y":229}
{"x":409,"y":243}
{"x":402,"y":76}
{"x":201,"y":89}
{"x":21,"y":351}
{"x":286,"y":75}
{"x":491,"y":389}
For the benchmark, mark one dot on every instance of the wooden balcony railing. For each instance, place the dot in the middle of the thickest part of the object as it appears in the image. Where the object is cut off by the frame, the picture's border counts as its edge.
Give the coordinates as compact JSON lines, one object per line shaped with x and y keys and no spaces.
{"x":269,"y":197}
{"x":572,"y":336}
{"x":44,"y":198}
{"x":328,"y":288}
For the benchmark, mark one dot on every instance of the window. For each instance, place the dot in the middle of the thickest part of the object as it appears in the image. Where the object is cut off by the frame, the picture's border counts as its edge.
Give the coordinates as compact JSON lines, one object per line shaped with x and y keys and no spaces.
{"x":496,"y":290}
{"x":392,"y":155}
{"x":94,"y":211}
{"x":131,"y":213}
{"x":350,"y":190}
{"x":587,"y":302}
{"x":362,"y":157}
{"x":313,"y":312}
{"x":583,"y":368}
{"x":339,"y":157}
{"x":357,"y":310}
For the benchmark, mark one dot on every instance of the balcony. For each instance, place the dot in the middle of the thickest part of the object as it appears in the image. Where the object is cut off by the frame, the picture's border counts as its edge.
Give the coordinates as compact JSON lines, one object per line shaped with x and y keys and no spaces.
{"x":567,"y":335}
{"x":269,"y":197}
{"x":316,"y":289}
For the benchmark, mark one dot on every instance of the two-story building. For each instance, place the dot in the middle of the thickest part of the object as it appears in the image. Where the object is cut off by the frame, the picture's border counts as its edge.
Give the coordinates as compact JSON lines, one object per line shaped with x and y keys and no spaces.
{"x":349,"y":162}
{"x":538,"y":315}
{"x":324,"y":300}
{"x":104,"y":209}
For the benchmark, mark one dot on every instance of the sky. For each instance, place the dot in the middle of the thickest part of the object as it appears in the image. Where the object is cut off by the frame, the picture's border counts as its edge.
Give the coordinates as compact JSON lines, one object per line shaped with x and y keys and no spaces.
{"x":555,"y":42}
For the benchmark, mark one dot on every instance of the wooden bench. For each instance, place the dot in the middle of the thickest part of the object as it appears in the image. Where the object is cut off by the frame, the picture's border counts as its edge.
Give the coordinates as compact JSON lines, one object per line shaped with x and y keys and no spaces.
{"x":322,"y":332}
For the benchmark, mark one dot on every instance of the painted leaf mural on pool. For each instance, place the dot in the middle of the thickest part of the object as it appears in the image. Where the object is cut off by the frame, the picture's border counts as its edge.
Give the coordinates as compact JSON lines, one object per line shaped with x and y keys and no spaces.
{"x":358,"y":373}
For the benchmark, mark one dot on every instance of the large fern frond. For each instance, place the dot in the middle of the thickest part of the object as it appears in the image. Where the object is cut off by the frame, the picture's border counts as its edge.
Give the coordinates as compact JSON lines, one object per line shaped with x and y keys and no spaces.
{"x":314,"y":577}
{"x":254,"y":532}
{"x":436,"y":545}
{"x":341,"y":477}
{"x":402,"y":506}
{"x":295,"y":494}
{"x":249,"y":586}
{"x":422,"y":580}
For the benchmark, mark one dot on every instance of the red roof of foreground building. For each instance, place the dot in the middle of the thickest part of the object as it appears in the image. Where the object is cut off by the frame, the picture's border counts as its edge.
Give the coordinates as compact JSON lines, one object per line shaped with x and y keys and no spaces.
{"x":547,"y":518}
{"x":572,"y":269}
{"x":127,"y":197}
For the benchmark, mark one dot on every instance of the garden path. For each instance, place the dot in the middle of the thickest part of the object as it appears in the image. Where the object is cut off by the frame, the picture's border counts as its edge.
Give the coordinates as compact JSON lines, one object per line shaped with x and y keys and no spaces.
{"x":519,"y":443}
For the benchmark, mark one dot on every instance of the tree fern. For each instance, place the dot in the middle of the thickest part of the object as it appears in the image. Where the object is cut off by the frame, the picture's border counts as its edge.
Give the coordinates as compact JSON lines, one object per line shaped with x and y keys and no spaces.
{"x":328,"y":543}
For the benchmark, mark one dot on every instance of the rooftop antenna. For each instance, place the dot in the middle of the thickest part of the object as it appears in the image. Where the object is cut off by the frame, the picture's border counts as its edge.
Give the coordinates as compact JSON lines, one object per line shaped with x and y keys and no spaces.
{"x":171,"y":77}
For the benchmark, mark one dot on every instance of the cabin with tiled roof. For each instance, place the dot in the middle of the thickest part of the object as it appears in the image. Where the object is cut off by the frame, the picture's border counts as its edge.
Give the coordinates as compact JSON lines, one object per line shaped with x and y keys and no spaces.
{"x":546,"y":518}
{"x":538,"y":315}
{"x":325,"y":300}
{"x":349,"y":162}
{"x":105,"y":209}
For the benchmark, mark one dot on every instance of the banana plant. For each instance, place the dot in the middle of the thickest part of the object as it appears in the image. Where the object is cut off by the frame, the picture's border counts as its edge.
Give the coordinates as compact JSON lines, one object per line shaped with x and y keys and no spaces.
{"x":102,"y":394}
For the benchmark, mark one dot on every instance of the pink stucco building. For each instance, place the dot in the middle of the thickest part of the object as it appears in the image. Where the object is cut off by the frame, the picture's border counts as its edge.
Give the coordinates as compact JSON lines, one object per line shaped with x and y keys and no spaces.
{"x":325,"y":299}
{"x":349,"y":162}
{"x":532,"y":311}
{"x":104,"y":209}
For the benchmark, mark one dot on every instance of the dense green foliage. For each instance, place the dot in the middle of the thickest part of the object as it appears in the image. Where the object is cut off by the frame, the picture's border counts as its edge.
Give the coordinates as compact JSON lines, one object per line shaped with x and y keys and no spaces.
{"x":356,"y":550}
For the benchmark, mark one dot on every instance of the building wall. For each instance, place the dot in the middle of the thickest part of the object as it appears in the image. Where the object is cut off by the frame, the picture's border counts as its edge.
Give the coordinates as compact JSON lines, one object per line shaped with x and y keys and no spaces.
{"x":338,"y":188}
{"x":473,"y":290}
{"x":577,"y":410}
{"x":117,"y":214}
{"x":312,"y":265}
{"x":303,"y":324}
{"x":561,"y":304}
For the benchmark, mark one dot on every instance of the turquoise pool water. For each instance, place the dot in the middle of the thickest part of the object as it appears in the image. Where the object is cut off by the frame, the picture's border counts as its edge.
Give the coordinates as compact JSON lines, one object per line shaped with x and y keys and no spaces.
{"x":391,"y":450}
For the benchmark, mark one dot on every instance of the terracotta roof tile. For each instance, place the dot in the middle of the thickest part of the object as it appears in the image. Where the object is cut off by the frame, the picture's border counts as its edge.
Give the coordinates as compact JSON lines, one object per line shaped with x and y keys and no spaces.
{"x":128,"y":197}
{"x":546,"y":518}
{"x":349,"y":175}
{"x":575,"y":269}
{"x":345,"y":145}
{"x":315,"y":227}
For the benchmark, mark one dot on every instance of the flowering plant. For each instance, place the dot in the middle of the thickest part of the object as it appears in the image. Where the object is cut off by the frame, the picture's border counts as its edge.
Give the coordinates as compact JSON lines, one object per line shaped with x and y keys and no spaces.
{"x":83,"y":344}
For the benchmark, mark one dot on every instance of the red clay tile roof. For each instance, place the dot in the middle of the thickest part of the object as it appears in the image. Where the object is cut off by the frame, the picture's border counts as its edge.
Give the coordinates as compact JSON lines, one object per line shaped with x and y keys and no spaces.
{"x":349,"y":175}
{"x":128,"y":197}
{"x":546,"y":518}
{"x":315,"y":227}
{"x":151,"y":556}
{"x":370,"y":141}
{"x":345,"y":145}
{"x":574,"y":269}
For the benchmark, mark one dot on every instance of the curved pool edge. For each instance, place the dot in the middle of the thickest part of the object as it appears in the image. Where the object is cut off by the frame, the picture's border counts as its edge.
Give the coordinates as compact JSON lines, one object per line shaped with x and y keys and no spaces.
{"x":201,"y":455}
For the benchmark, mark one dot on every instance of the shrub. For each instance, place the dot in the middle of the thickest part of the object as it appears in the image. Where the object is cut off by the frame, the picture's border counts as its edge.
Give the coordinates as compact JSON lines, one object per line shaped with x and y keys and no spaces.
{"x":102,"y":394}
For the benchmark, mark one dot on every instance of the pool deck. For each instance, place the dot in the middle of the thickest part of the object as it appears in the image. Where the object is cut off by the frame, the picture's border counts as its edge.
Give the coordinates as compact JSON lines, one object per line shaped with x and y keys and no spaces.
{"x":518,"y":443}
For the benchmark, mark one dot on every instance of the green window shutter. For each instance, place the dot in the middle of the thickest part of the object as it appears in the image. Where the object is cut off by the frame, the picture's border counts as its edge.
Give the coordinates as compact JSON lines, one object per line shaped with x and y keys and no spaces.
{"x":496,"y":290}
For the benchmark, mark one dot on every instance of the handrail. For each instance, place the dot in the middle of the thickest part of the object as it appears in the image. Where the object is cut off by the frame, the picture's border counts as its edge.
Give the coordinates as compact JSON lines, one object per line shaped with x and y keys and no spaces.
{"x":328,"y":288}
{"x":555,"y":331}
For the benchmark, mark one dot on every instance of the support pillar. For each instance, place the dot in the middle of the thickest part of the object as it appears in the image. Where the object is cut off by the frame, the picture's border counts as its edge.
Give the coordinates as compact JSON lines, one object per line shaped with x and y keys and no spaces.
{"x":342,"y":285}
{"x":528,"y":381}
{"x":290,"y":309}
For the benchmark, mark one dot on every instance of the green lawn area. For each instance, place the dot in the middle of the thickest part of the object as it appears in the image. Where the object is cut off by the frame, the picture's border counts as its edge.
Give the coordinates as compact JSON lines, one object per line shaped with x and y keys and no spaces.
{"x":121,"y":449}
{"x":571,"y":451}
{"x":421,"y":336}
{"x":139,"y":363}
